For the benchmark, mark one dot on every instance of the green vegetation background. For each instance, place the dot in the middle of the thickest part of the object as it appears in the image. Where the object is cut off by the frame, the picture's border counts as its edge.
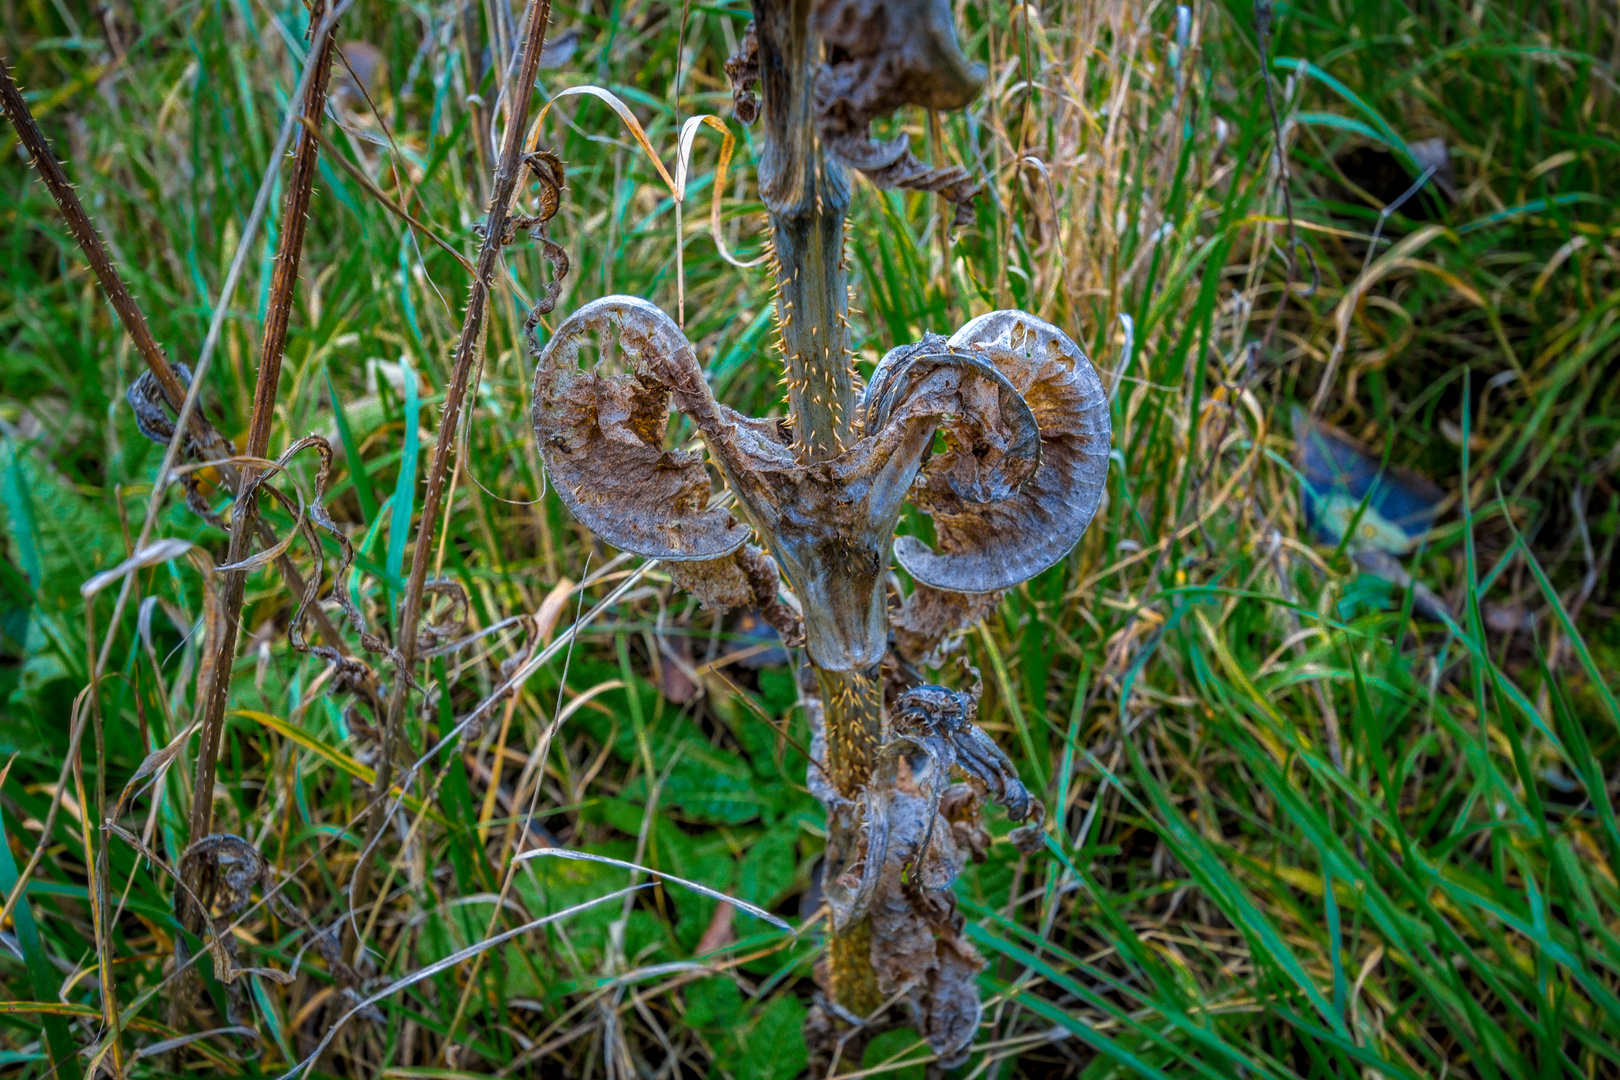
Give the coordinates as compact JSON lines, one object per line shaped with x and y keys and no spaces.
{"x":1296,"y":830}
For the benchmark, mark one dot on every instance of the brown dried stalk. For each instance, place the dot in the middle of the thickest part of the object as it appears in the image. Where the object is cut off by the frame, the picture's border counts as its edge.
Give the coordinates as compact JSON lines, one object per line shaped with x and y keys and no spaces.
{"x":283,"y":289}
{"x":202,"y":438}
{"x":89,"y":240}
{"x":507,"y":171}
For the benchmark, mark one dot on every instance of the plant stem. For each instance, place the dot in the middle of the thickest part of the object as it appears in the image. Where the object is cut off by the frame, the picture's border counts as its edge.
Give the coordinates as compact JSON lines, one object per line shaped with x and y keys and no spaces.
{"x":283,"y":287}
{"x":205,"y":438}
{"x":852,"y":708}
{"x":806,"y":198}
{"x":507,"y":171}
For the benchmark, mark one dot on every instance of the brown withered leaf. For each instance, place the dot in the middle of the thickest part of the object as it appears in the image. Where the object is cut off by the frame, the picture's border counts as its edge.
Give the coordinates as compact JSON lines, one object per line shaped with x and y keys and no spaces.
{"x":940,"y":721}
{"x":992,"y":546}
{"x":602,"y":436}
{"x":929,"y":617}
{"x":909,"y":869}
{"x":746,"y":578}
{"x":549,"y":173}
{"x":718,"y":583}
{"x":981,"y":412}
{"x":882,"y":56}
{"x":742,"y":72}
{"x":914,"y":830}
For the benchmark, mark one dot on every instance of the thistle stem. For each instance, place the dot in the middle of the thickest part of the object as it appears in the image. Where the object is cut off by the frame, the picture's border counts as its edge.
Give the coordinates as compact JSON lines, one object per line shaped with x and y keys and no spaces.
{"x":852,"y":708}
{"x":806,"y":198}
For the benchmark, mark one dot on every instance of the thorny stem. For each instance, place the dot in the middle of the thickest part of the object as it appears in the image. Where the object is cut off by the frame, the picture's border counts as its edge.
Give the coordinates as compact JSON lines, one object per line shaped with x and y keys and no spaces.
{"x":507,"y":171}
{"x":205,"y":437}
{"x":283,"y":288}
{"x":84,"y":232}
{"x":852,"y":704}
{"x":806,"y":198}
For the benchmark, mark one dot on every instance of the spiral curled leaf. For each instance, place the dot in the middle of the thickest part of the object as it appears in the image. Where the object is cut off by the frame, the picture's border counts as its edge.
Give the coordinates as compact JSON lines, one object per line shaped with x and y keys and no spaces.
{"x":991,"y":538}
{"x":601,"y":436}
{"x":981,"y":412}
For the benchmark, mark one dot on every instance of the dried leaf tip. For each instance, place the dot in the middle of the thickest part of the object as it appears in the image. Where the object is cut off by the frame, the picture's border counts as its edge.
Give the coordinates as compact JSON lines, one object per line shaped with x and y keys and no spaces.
{"x":882,"y":56}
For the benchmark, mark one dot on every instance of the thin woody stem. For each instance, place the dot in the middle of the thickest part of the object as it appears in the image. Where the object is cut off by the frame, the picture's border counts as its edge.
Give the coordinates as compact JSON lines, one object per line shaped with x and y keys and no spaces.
{"x":205,"y":438}
{"x":507,"y":171}
{"x":90,"y":242}
{"x":283,"y":287}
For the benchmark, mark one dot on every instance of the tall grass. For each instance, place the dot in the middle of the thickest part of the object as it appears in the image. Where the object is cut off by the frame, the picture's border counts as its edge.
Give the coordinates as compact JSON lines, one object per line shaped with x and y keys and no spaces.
{"x":1297,"y":830}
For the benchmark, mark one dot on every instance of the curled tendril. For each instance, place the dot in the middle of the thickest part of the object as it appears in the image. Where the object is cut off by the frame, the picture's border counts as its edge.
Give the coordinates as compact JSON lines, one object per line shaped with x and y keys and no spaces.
{"x":602,"y":436}
{"x":990,"y":544}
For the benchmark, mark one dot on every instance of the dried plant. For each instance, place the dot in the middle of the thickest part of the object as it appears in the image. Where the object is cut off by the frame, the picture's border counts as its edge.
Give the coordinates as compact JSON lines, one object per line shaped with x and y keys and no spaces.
{"x":1024,"y":423}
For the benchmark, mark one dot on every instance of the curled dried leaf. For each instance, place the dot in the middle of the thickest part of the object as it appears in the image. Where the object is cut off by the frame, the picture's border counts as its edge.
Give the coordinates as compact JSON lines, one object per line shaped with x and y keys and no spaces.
{"x":549,"y":174}
{"x":154,"y":420}
{"x":718,"y":583}
{"x":151,"y":409}
{"x":448,"y":623}
{"x":231,"y":867}
{"x":602,"y":436}
{"x":746,"y":578}
{"x":995,"y":439}
{"x":742,"y":71}
{"x":987,"y":546}
{"x":882,"y":56}
{"x":930,"y":617}
{"x":941,"y":721}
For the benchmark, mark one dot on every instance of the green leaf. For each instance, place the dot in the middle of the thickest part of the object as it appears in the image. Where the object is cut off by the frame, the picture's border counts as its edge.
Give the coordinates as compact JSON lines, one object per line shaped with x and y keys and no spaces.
{"x":47,"y":984}
{"x":405,"y":488}
{"x":351,"y":454}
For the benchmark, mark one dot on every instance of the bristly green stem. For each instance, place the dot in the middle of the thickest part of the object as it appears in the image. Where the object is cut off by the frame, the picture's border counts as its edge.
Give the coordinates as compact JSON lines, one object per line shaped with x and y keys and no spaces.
{"x":807,"y":197}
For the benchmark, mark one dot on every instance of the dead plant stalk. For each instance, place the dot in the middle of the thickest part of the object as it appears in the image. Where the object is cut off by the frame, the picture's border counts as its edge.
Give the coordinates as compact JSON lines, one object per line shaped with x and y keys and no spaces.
{"x":204,"y":439}
{"x":283,"y":289}
{"x":1025,"y":428}
{"x":507,"y":171}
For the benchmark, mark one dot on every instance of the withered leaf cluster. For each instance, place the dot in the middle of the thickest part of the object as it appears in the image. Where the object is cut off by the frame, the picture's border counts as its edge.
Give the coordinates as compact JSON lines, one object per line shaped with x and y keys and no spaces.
{"x":919,"y":827}
{"x":1020,"y":409}
{"x":881,"y":56}
{"x":1024,"y":425}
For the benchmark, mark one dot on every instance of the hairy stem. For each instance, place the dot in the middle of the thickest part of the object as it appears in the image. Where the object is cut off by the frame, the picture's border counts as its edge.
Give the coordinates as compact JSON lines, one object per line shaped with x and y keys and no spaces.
{"x":806,"y":198}
{"x":244,"y":523}
{"x":507,"y":171}
{"x":852,"y":708}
